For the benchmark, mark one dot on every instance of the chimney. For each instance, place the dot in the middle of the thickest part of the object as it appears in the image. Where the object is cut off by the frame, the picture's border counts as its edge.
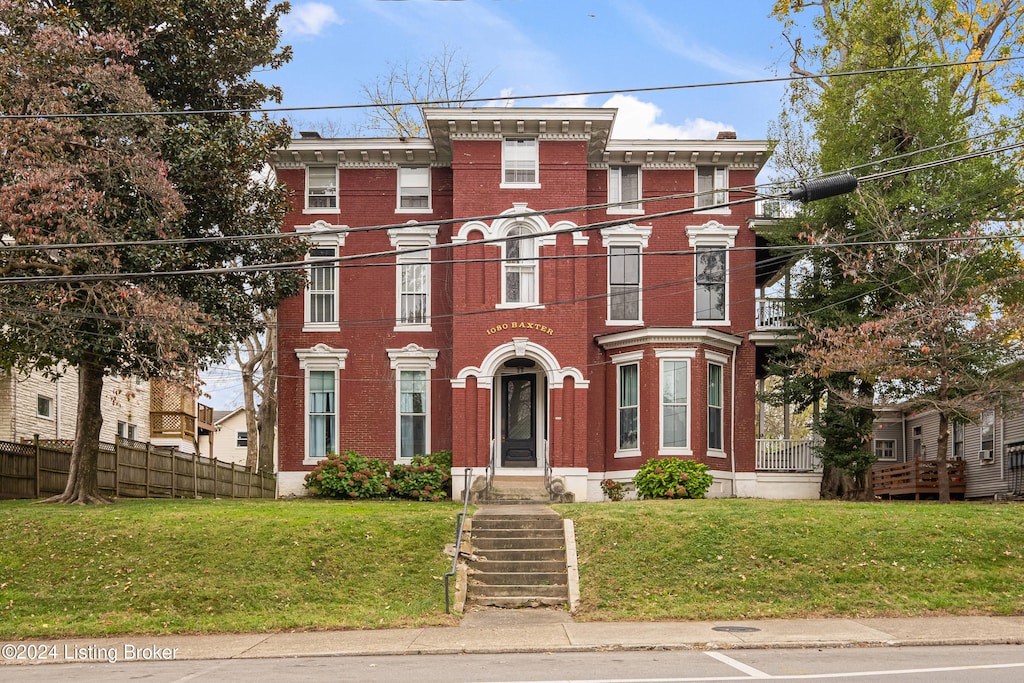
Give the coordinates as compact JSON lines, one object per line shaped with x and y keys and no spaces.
{"x":313,"y":135}
{"x":726,"y":135}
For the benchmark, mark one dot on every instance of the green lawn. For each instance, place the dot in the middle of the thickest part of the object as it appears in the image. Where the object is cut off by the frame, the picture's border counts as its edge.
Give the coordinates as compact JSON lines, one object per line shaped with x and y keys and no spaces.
{"x":222,"y":566}
{"x":742,"y":559}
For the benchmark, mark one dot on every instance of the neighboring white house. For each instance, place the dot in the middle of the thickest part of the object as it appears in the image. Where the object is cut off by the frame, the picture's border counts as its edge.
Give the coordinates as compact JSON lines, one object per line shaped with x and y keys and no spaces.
{"x":229,"y":440}
{"x":31,"y":404}
{"x":161,"y":413}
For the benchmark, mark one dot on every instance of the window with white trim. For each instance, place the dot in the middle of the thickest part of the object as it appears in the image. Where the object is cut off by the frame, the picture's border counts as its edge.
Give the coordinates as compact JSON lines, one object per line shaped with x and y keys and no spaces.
{"x":520,"y":266}
{"x":242,"y":439}
{"x":519,"y":161}
{"x":716,"y":428}
{"x":629,"y":407}
{"x":322,"y":366}
{"x":958,"y":439}
{"x":414,"y":289}
{"x":988,"y":430}
{"x":412,"y":366}
{"x":44,"y":406}
{"x":885,"y":449}
{"x":126,"y":430}
{"x":710,"y":281}
{"x":624,"y":189}
{"x":712,"y":186}
{"x":321,"y":187}
{"x":322,"y":412}
{"x":413,"y":189}
{"x":675,"y":391}
{"x":412,"y":413}
{"x":322,"y":288}
{"x":624,"y":283}
{"x":412,"y":305}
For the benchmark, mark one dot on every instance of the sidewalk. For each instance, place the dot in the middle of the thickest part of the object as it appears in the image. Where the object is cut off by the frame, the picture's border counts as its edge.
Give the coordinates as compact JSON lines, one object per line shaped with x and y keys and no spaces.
{"x":496,"y":631}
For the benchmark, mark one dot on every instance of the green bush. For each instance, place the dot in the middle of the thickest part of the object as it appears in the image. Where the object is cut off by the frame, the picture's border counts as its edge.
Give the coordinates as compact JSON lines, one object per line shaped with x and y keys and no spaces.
{"x":672,"y":478}
{"x":427,"y":477}
{"x":348,"y":475}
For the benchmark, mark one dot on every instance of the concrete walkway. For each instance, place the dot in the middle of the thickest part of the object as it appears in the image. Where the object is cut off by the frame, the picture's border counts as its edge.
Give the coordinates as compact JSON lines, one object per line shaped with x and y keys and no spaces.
{"x":543,"y":630}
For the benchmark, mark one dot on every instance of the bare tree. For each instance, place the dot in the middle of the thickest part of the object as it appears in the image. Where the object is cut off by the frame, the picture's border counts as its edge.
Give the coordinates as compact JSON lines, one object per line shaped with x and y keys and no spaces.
{"x":258,"y":361}
{"x":443,"y":80}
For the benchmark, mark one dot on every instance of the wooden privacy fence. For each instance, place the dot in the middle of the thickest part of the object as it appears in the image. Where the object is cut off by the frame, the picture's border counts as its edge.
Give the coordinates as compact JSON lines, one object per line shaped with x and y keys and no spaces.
{"x":128,"y":469}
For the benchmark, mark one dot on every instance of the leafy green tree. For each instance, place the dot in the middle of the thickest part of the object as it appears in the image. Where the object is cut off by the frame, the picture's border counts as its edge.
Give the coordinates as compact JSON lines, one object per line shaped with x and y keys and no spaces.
{"x":887,"y":125}
{"x":106,"y":180}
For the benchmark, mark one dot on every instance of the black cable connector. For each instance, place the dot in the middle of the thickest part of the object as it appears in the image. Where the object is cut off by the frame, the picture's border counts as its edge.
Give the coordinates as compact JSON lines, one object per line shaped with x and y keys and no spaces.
{"x":824,"y":187}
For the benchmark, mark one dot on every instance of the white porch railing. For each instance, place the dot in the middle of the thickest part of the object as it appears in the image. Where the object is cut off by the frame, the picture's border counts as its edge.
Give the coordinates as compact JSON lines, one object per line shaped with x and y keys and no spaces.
{"x":787,"y":455}
{"x":772,"y":313}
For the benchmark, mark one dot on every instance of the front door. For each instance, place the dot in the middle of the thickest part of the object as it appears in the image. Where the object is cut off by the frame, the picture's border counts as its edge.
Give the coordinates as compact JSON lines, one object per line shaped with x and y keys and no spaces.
{"x":518,"y":421}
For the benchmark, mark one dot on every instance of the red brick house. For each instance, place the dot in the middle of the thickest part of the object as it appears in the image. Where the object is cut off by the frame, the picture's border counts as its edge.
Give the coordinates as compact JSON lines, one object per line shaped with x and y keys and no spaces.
{"x":498,"y":289}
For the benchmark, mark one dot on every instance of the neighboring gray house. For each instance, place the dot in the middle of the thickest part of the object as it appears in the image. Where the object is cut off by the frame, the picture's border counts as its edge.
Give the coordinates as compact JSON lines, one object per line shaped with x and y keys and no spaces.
{"x":991,"y":446}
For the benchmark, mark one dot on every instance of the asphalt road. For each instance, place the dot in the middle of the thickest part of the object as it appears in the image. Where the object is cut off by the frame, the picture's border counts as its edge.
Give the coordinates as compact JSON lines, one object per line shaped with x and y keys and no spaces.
{"x":933,"y":664}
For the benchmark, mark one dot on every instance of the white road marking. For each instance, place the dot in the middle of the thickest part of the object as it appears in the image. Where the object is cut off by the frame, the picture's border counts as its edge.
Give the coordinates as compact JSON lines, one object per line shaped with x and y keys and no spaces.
{"x":745,"y":668}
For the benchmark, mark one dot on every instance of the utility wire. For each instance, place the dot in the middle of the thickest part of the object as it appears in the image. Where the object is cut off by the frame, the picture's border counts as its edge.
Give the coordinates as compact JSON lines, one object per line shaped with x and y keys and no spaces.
{"x":581,"y":93}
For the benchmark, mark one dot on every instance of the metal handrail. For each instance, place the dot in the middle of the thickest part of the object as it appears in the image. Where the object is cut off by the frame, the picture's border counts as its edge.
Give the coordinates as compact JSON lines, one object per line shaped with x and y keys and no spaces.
{"x":459,"y":522}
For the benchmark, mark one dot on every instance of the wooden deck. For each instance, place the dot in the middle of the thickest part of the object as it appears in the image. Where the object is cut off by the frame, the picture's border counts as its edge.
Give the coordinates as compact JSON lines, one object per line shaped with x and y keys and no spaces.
{"x":917,"y":478}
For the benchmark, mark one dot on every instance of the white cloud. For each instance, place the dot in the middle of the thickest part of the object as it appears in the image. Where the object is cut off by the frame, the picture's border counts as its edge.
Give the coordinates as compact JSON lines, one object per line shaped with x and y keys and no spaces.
{"x":638,"y":120}
{"x":309,"y":19}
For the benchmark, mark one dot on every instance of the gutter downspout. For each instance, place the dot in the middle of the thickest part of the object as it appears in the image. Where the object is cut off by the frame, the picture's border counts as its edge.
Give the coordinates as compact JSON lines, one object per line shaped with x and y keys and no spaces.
{"x":732,"y":424}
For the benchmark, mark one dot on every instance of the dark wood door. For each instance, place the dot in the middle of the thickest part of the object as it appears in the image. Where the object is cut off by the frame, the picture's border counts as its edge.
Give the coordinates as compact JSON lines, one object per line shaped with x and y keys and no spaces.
{"x":518,"y":421}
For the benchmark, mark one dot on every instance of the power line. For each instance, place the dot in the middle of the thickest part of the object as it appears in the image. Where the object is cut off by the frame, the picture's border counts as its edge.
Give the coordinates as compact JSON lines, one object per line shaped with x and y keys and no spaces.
{"x":581,"y":93}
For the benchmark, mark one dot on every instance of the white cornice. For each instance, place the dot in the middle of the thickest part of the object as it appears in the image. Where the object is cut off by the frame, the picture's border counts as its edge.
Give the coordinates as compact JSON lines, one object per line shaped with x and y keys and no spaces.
{"x":668,"y":335}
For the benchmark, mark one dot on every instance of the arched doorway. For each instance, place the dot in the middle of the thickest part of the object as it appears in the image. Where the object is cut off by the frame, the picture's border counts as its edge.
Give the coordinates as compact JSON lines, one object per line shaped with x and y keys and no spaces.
{"x":521,"y":415}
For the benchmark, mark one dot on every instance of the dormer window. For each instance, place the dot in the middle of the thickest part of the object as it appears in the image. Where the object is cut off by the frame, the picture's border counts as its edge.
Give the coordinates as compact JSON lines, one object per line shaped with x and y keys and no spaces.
{"x":519,"y":162}
{"x":322,"y":187}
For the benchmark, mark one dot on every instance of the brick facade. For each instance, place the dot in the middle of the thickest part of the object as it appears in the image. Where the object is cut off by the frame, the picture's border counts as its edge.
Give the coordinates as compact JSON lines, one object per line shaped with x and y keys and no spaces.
{"x":523,"y":356}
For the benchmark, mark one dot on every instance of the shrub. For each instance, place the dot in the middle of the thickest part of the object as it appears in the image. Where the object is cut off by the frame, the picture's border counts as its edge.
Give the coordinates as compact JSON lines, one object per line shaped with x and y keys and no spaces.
{"x":427,"y":477}
{"x":672,"y":478}
{"x":615,"y":490}
{"x":348,"y":475}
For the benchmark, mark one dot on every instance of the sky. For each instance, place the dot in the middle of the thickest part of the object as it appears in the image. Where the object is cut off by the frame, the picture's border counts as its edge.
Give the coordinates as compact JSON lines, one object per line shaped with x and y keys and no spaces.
{"x":539,"y":47}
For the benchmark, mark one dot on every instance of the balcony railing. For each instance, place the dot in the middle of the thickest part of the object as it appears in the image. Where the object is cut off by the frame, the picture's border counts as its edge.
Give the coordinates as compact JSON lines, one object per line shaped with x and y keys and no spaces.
{"x":773,"y":313}
{"x":787,"y":455}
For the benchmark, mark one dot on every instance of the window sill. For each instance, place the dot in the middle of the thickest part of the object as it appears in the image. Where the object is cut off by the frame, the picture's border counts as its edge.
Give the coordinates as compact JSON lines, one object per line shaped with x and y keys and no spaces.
{"x":314,"y":461}
{"x":625,"y":212}
{"x":307,"y":211}
{"x":717,"y":453}
{"x":424,"y":327}
{"x":321,"y":327}
{"x":711,"y":323}
{"x":514,"y":306}
{"x":520,"y":186}
{"x":623,"y":323}
{"x":675,"y":451}
{"x":715,"y":212}
{"x":425,"y":209}
{"x":631,"y":453}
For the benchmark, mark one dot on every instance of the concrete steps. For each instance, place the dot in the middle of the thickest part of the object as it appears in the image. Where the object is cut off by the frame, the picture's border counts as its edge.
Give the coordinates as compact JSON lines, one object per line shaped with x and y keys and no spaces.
{"x":518,"y":557}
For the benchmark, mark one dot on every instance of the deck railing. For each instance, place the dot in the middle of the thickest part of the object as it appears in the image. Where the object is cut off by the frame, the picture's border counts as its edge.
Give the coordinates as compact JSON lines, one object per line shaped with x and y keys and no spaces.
{"x":916,"y":477}
{"x":787,"y":455}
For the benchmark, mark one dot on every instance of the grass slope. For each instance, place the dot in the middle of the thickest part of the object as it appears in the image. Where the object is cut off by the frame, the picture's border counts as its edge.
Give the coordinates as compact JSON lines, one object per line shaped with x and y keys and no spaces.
{"x":221,"y":566}
{"x":741,"y":559}
{"x":207,"y":566}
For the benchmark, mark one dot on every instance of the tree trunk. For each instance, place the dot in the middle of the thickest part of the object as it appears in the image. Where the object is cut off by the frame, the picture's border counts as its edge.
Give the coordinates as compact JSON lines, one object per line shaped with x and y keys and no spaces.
{"x":267,"y":415}
{"x":940,"y":457}
{"x":83,"y":483}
